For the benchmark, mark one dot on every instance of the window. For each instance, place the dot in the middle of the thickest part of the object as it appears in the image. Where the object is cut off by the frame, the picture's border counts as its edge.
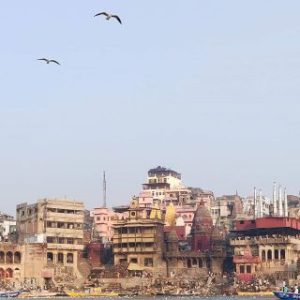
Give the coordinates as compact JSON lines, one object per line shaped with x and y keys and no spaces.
{"x":242,"y":269}
{"x":60,"y":258}
{"x":263,"y":255}
{"x":2,"y":257}
{"x":133,"y":260}
{"x":50,"y":257}
{"x":9,"y":257}
{"x":248,"y":269}
{"x":269,"y":254}
{"x":200,"y":263}
{"x":148,"y":262}
{"x":50,"y":239}
{"x":276,"y":254}
{"x":70,"y":258}
{"x":282,"y":254}
{"x":17,"y":257}
{"x":61,"y":225}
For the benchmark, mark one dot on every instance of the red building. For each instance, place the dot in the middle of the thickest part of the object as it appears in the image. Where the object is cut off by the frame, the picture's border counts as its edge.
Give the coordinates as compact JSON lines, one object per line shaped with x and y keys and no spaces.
{"x":202,"y":229}
{"x":268,"y":246}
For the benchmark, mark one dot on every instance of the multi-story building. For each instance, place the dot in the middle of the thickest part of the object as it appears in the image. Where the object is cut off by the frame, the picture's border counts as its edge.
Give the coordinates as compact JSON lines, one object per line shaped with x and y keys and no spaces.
{"x":160,"y":180}
{"x":59,"y":225}
{"x":7,"y":227}
{"x":249,"y":207}
{"x":22,"y":265}
{"x":267,"y":246}
{"x":103,"y":223}
{"x":139,"y":240}
{"x":225,"y":209}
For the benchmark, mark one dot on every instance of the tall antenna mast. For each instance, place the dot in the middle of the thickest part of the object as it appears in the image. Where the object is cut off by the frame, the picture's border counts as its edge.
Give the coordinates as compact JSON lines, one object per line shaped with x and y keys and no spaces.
{"x":104,"y":190}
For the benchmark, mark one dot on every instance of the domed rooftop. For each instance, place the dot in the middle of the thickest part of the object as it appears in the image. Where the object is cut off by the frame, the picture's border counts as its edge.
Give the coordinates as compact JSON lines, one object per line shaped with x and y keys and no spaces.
{"x":202,"y":219}
{"x":170,"y":217}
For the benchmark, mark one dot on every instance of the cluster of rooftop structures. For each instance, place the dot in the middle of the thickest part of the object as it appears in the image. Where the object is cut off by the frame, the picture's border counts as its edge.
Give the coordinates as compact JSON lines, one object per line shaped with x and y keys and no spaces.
{"x":168,"y":230}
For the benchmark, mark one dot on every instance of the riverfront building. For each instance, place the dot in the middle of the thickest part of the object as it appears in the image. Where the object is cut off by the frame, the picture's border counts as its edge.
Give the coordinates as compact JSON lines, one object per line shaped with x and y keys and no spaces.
{"x":55,"y":228}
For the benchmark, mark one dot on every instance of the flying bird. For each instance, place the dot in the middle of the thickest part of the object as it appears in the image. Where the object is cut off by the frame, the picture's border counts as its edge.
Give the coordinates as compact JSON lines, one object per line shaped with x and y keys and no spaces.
{"x":48,"y":61}
{"x":108,"y":16}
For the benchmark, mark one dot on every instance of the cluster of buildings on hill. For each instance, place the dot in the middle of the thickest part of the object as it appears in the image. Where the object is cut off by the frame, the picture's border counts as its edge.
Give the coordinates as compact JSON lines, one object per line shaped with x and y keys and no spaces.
{"x":168,"y":230}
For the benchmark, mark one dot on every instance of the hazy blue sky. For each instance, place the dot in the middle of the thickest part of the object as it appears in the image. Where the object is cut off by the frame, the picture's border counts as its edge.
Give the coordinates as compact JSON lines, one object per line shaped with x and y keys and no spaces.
{"x":208,"y":88}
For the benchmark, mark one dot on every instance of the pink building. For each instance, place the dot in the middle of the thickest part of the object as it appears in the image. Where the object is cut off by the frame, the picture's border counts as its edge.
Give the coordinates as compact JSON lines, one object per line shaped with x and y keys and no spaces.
{"x":103,"y":220}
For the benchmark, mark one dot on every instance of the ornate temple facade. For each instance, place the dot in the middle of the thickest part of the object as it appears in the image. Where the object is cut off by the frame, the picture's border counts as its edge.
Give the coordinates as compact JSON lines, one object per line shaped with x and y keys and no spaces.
{"x":138,"y":240}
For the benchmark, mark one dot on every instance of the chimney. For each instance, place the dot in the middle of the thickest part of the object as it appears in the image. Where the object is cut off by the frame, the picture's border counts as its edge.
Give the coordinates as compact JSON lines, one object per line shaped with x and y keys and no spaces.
{"x":280,"y":212}
{"x":274,"y":199}
{"x":255,"y":203}
{"x":286,"y":211}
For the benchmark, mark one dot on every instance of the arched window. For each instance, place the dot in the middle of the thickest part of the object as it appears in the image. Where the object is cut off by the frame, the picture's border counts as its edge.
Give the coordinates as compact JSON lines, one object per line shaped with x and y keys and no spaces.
{"x":269,"y":254}
{"x":194,"y":262}
{"x":9,"y":257}
{"x":282,"y":254}
{"x":9,"y":273}
{"x":17,"y":272}
{"x":17,"y":258}
{"x":50,"y":257}
{"x":70,"y":258}
{"x":276,"y":254}
{"x":2,"y":257}
{"x":60,"y":258}
{"x":2,"y":273}
{"x":263,"y":255}
{"x":200,"y":263}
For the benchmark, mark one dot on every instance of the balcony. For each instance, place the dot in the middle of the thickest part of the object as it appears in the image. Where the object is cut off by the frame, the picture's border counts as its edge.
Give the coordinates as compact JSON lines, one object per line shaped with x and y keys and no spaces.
{"x":60,"y":217}
{"x":237,"y":242}
{"x":64,"y":247}
{"x":134,"y":250}
{"x":65,"y":232}
{"x":133,"y":240}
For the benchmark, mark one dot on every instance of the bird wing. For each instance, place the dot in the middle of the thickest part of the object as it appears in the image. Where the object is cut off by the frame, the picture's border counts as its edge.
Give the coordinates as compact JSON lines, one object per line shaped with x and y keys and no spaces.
{"x":117,"y":17}
{"x":102,"y":13}
{"x":45,"y":59}
{"x":54,"y":61}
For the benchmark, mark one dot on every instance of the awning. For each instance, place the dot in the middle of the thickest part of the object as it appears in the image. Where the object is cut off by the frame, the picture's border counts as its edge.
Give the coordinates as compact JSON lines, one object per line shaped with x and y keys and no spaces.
{"x":134,"y":267}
